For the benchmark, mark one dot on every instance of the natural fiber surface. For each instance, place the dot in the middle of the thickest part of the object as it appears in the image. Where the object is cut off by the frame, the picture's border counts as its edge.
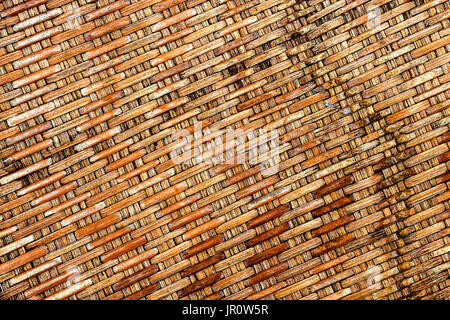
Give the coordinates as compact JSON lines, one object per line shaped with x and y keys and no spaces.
{"x":351,"y":203}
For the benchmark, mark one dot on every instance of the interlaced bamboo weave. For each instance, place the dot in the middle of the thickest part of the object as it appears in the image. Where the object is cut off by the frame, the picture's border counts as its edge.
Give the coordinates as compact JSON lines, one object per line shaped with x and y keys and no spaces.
{"x":95,"y":94}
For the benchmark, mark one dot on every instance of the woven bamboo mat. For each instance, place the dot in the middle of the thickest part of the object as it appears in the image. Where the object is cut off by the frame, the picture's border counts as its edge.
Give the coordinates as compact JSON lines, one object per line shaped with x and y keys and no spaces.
{"x":224,"y":149}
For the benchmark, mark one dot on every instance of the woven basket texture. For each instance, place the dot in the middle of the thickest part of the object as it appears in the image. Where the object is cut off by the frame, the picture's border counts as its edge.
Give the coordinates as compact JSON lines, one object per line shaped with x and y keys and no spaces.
{"x":224,"y":149}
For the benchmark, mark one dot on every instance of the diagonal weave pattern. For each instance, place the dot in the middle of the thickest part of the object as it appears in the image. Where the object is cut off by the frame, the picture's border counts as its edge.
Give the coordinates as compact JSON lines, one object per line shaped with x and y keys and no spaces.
{"x":94,"y":205}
